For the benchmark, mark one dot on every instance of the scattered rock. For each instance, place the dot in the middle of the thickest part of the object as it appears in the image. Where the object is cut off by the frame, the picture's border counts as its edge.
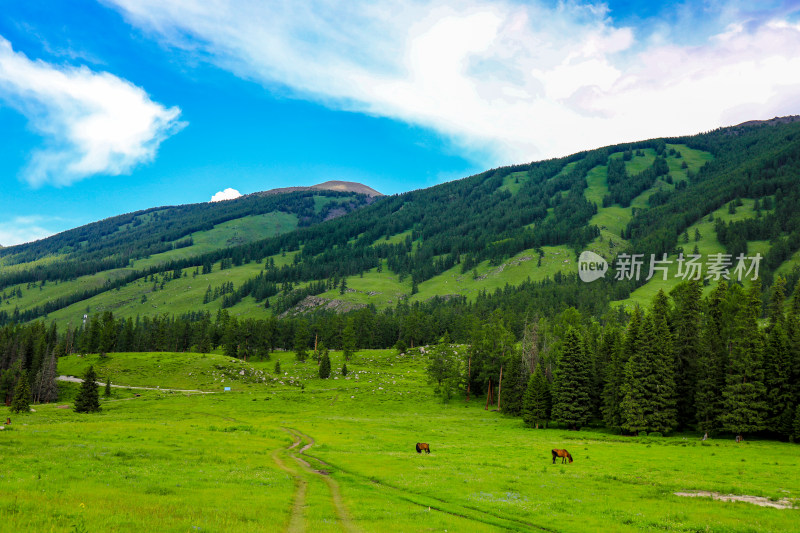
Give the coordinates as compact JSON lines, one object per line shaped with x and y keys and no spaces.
{"x":316,"y":303}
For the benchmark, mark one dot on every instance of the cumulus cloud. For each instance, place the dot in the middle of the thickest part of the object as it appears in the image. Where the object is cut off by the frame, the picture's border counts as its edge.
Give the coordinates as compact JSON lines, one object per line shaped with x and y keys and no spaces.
{"x":19,"y":230}
{"x":91,"y":123}
{"x":520,"y":81}
{"x":227,"y":194}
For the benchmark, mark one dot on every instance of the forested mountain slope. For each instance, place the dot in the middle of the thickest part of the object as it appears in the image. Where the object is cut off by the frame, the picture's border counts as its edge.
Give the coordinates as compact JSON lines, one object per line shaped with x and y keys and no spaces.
{"x":516,"y":230}
{"x":488,"y":262}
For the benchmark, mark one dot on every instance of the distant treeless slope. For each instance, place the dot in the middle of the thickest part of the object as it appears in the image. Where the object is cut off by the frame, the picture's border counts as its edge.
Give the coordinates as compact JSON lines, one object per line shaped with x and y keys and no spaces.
{"x":341,"y":186}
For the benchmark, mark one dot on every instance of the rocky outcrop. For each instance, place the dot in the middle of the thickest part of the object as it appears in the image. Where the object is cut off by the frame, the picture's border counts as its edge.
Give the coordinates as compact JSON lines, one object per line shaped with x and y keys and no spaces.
{"x":316,"y":303}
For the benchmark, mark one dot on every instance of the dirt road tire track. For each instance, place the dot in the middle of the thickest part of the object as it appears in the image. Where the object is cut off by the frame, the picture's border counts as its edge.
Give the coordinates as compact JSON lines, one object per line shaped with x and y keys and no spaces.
{"x":296,"y":522}
{"x":333,"y":487}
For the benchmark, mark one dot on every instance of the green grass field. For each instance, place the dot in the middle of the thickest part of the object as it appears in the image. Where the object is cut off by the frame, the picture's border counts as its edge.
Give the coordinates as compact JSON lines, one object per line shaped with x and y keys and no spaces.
{"x":338,"y":455}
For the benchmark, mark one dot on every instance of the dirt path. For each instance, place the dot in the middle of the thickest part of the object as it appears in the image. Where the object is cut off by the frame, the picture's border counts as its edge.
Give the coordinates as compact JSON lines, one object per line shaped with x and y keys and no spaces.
{"x":73,"y":379}
{"x":296,"y":523}
{"x":333,"y":487}
{"x":756,"y":500}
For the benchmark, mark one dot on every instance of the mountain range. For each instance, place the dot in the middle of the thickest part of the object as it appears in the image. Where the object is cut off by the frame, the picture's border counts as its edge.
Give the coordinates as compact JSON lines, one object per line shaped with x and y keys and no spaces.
{"x":509,"y":231}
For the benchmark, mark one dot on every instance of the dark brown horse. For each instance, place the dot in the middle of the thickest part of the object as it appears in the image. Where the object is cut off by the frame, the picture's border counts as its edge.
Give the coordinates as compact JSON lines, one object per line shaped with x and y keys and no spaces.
{"x":564,"y":454}
{"x":423,"y":446}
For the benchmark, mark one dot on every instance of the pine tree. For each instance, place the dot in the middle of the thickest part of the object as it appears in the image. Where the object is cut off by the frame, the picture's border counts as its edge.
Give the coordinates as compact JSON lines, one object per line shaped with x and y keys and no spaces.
{"x":743,"y":396}
{"x":712,"y":362}
{"x":776,"y":302}
{"x":204,"y":344}
{"x":536,"y":400}
{"x":515,"y":381}
{"x":325,"y":366}
{"x":22,"y":395}
{"x":686,"y":322}
{"x":348,"y":340}
{"x":107,"y":392}
{"x":231,"y":338}
{"x":639,"y":382}
{"x":793,"y":336}
{"x":344,"y":369}
{"x":277,"y":367}
{"x":776,"y":380}
{"x":664,"y":401}
{"x":301,"y":341}
{"x":615,"y":375}
{"x":88,"y":398}
{"x":796,"y":425}
{"x":777,"y":365}
{"x":572,"y":383}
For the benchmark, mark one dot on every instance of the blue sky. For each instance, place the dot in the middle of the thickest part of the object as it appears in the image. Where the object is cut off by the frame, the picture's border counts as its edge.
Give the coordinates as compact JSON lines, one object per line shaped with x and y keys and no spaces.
{"x":113,"y":106}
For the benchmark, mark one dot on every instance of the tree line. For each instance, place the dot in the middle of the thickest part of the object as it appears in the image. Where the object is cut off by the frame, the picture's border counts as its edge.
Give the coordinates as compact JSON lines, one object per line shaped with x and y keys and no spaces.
{"x":686,"y":363}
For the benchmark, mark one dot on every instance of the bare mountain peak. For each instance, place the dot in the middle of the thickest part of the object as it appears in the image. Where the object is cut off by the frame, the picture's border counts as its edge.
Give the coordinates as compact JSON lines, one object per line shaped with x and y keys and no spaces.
{"x":347,"y":186}
{"x":770,"y":122}
{"x":341,"y":186}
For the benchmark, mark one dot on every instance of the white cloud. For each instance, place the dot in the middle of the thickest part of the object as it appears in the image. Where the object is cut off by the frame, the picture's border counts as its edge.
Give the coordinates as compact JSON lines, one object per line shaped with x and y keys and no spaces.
{"x":227,"y":194}
{"x":23,"y":229}
{"x":521,"y":81}
{"x":92,"y":123}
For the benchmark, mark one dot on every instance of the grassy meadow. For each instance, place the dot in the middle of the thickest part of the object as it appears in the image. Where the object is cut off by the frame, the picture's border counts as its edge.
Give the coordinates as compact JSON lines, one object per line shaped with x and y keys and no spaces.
{"x":292,"y":452}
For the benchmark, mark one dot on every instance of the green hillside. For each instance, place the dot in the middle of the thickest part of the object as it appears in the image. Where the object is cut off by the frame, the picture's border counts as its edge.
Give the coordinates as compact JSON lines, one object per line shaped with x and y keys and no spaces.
{"x":506,"y":227}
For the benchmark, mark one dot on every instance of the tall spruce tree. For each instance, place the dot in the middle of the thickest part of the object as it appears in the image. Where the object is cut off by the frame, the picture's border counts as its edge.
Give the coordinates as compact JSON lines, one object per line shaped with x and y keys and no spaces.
{"x":536,"y":400}
{"x":21,"y":403}
{"x":664,"y":400}
{"x":572,"y":383}
{"x":613,"y":392}
{"x":687,"y":343}
{"x":793,"y":335}
{"x":88,"y":398}
{"x":712,"y":361}
{"x":640,"y":382}
{"x":777,"y":365}
{"x":744,"y":393}
{"x":776,"y":302}
{"x":649,"y":402}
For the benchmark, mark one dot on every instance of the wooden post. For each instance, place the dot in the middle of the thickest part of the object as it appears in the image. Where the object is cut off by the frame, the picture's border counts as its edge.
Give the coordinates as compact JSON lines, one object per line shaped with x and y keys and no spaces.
{"x":488,"y":395}
{"x":469,"y":372}
{"x":499,"y":387}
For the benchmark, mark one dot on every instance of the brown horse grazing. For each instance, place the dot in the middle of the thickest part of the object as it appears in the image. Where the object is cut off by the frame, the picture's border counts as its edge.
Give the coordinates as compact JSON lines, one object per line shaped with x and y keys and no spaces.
{"x":423,"y":446}
{"x":564,"y":454}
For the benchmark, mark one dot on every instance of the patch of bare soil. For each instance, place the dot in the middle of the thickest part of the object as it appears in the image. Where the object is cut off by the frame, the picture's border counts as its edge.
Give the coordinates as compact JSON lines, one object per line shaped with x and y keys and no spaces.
{"x":757,"y":500}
